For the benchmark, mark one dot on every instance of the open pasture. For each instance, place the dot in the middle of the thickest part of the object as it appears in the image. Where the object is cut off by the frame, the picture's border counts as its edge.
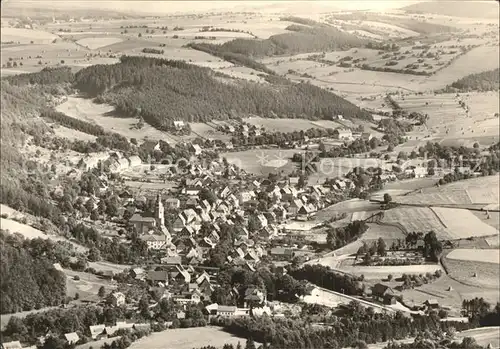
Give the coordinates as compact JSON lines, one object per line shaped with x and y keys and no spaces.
{"x":348,"y":206}
{"x":475,"y":255}
{"x":96,"y":43}
{"x":449,"y":292}
{"x":462,"y":223}
{"x":29,"y":232}
{"x":65,"y":132}
{"x":87,"y":286}
{"x":448,"y":121}
{"x":240,"y":72}
{"x":281,"y":125}
{"x":474,"y":272}
{"x":484,"y":336}
{"x":262,"y":161}
{"x":187,"y":338}
{"x":26,"y":36}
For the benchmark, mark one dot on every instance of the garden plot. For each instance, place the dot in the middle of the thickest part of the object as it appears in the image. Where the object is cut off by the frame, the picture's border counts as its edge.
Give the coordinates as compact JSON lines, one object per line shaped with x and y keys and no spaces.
{"x":462,"y":224}
{"x":476,"y":255}
{"x":417,"y":219}
{"x":188,"y":338}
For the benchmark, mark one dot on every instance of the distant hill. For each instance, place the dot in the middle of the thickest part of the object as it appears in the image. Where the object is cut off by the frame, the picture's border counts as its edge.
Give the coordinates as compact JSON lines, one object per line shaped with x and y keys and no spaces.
{"x":471,"y":9}
{"x":304,"y":36}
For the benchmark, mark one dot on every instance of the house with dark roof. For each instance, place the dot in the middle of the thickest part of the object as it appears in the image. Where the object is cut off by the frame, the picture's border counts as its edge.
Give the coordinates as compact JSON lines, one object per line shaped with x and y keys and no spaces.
{"x":142,"y":224}
{"x":383,"y":293}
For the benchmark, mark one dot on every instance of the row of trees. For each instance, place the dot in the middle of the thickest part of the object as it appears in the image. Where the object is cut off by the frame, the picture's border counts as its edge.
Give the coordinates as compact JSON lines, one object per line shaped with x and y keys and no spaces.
{"x":345,"y":330}
{"x":339,"y":237}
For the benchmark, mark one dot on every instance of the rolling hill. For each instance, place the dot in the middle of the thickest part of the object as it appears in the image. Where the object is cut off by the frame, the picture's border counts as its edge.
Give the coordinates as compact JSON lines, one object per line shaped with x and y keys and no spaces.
{"x":470,"y":9}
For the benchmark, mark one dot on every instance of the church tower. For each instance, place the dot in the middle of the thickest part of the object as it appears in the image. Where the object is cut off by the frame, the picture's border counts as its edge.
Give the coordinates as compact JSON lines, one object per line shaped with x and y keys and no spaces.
{"x":159,"y":212}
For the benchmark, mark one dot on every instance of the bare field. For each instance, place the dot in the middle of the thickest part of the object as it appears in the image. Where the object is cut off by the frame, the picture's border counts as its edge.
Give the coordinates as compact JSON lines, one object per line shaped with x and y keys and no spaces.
{"x":187,"y":338}
{"x":417,"y":219}
{"x":463,"y":223}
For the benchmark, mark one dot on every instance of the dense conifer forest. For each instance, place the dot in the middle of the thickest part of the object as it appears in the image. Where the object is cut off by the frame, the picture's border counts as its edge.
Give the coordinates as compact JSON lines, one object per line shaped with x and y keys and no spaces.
{"x":161,"y":91}
{"x":29,"y":279}
{"x":485,"y":81}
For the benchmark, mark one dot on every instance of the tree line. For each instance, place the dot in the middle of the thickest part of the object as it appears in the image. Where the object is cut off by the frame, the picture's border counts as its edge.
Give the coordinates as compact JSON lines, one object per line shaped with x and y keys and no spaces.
{"x":343,"y":329}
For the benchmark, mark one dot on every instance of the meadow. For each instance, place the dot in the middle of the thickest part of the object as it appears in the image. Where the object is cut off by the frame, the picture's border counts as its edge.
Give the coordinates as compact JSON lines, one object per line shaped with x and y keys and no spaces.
{"x":87,"y":286}
{"x":87,"y":110}
{"x":475,"y":255}
{"x":187,"y":338}
{"x":263,"y":161}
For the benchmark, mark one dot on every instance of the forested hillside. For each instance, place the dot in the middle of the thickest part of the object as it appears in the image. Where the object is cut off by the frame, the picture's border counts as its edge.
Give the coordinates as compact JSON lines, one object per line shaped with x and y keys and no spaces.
{"x":28,"y":279}
{"x":162,"y":91}
{"x":300,"y":39}
{"x":403,"y":22}
{"x":485,"y":81}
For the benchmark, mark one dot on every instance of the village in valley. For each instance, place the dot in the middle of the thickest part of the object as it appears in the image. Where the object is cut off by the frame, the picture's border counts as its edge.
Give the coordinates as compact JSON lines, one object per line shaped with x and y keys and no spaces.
{"x":369,"y":224}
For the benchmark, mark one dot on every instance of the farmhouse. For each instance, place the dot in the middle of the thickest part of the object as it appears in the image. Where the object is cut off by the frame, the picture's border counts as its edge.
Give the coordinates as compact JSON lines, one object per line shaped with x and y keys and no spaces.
{"x":72,"y":337}
{"x":195,"y":148}
{"x":383,"y":293}
{"x":12,"y":345}
{"x":117,"y":299}
{"x":179,"y":124}
{"x":342,"y":134}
